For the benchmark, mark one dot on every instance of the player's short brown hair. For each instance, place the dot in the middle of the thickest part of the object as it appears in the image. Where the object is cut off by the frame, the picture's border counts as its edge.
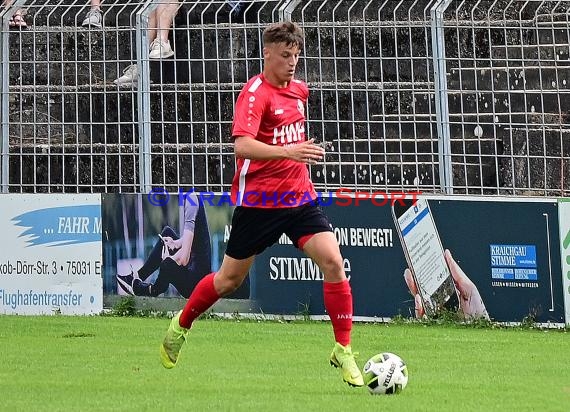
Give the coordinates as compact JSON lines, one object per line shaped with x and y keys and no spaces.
{"x":284,"y":32}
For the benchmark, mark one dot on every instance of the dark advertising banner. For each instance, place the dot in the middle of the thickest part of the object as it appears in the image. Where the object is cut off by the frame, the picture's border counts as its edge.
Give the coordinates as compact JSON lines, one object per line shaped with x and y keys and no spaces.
{"x":495,"y":258}
{"x":288,"y":282}
{"x":502,"y":259}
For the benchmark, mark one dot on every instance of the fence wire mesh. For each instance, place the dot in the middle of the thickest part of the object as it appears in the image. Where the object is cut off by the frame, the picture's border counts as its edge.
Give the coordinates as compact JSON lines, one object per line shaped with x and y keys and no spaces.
{"x":508,"y":83}
{"x":67,"y":126}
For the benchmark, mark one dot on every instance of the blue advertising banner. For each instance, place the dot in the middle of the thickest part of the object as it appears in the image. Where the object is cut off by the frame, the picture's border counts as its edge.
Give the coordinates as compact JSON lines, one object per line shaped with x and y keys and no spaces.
{"x":525,"y":237}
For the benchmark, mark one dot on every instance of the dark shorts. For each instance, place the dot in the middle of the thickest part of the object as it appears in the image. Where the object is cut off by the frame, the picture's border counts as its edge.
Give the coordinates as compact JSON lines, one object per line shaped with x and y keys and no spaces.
{"x":255,"y":229}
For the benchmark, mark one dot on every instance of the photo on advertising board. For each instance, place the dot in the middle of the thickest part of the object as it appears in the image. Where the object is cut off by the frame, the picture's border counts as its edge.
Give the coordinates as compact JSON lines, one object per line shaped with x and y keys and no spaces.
{"x":161,"y":245}
{"x":428,"y":274}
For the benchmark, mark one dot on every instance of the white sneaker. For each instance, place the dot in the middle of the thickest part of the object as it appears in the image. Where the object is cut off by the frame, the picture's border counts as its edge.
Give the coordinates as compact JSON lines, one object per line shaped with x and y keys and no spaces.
{"x":93,"y":19}
{"x":130,"y":76}
{"x":160,"y":49}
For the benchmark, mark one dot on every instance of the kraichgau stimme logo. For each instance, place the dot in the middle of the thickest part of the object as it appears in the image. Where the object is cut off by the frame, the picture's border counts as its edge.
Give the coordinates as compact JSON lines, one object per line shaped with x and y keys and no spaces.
{"x":59,"y":226}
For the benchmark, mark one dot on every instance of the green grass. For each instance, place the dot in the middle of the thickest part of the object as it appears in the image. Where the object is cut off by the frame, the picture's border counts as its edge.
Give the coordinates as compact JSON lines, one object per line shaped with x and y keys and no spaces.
{"x":111,"y":364}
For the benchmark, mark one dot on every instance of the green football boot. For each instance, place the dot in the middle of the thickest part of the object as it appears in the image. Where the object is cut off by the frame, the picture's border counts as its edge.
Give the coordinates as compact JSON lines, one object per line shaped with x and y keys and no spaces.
{"x":173,"y":341}
{"x":343,"y":358}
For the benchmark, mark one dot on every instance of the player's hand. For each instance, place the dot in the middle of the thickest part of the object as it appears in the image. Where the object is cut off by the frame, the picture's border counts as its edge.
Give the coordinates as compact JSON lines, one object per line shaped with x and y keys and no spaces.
{"x":470,"y":302}
{"x":306,"y":152}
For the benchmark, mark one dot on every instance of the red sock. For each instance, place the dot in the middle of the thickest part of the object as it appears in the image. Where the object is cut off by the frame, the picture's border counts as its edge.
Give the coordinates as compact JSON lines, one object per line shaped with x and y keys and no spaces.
{"x":203,"y":296}
{"x":338,"y":303}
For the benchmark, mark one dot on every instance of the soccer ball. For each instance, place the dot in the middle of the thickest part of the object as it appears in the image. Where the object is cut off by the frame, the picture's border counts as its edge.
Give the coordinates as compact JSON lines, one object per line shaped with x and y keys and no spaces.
{"x":385,"y":373}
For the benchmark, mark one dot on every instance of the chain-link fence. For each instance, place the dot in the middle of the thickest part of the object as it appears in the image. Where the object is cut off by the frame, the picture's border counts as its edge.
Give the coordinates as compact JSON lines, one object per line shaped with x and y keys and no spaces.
{"x":430,"y":95}
{"x":508,"y":85}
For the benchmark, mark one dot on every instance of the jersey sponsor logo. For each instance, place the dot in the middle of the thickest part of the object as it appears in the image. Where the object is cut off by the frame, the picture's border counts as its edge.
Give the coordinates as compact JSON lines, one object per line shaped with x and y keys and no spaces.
{"x":290,"y":133}
{"x":300,"y":106}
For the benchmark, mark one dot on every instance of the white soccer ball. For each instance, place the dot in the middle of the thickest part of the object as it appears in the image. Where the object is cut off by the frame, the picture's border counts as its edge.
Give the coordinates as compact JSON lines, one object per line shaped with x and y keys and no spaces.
{"x":385,"y":373}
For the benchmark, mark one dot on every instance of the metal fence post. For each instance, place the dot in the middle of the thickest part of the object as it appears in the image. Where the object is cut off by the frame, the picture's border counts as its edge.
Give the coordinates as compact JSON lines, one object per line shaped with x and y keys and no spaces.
{"x":5,"y":16}
{"x":287,"y":8}
{"x":441,"y":95}
{"x":4,"y":74}
{"x":143,"y":96}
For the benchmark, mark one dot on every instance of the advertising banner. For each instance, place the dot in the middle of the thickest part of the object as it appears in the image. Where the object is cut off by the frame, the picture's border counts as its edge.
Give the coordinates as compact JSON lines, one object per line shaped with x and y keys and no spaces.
{"x":50,"y":260}
{"x":564,"y":213}
{"x":161,"y":244}
{"x":492,"y":258}
{"x":496,"y":258}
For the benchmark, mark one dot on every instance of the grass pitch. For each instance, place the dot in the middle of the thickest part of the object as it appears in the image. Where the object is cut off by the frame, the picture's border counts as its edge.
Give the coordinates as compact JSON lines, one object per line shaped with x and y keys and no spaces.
{"x":112,"y":364}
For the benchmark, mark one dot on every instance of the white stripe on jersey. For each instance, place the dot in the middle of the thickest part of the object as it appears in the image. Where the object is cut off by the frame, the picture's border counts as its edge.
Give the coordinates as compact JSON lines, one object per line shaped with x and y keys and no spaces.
{"x":255,"y":85}
{"x":241,"y":186}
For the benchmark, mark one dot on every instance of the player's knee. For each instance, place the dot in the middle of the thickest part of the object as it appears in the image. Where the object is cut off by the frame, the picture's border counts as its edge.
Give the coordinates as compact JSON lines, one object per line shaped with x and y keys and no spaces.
{"x":226,"y":285}
{"x":169,"y":265}
{"x":332,"y":266}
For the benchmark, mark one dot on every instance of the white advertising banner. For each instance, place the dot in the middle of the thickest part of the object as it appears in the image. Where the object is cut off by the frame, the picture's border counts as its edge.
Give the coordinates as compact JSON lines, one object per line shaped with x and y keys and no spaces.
{"x":51,"y":254}
{"x":564,"y":217}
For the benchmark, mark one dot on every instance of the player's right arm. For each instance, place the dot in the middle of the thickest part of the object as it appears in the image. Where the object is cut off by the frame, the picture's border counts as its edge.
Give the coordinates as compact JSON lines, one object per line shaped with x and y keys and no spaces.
{"x":248,"y":148}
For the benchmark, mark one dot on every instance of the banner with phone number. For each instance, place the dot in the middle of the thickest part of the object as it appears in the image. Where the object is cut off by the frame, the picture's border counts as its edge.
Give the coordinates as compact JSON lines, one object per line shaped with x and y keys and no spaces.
{"x":50,"y":260}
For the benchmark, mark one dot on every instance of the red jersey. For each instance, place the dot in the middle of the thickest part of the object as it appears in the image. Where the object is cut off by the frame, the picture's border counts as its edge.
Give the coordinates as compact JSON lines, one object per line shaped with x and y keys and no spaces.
{"x":274,"y":116}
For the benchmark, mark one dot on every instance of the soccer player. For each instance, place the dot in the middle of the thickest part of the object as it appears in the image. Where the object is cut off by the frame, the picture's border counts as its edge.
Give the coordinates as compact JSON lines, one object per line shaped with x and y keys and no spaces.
{"x":274,"y":195}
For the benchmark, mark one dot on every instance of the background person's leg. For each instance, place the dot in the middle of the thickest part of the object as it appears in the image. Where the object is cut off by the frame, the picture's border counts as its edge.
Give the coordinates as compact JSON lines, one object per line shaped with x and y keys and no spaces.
{"x":185,"y":278}
{"x":94,"y":17}
{"x":169,"y":270}
{"x":163,"y":17}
